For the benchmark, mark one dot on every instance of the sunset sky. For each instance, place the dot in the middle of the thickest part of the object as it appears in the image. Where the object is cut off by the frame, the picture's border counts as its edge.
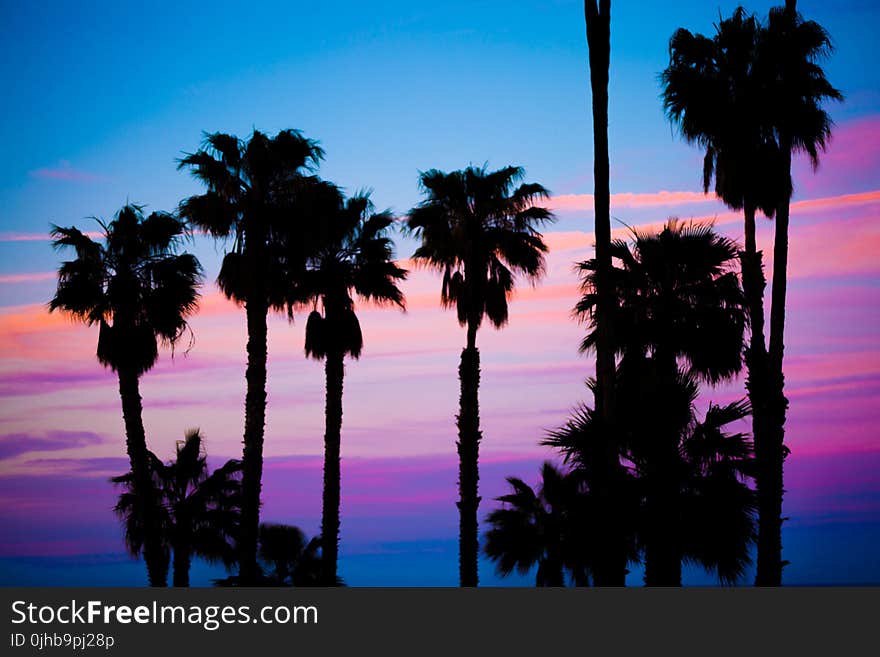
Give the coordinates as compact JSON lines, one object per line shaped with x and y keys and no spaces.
{"x":101,"y":98}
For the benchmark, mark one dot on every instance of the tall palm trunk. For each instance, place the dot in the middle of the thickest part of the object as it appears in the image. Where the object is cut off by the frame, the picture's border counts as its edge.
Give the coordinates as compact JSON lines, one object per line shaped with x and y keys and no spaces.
{"x":254,"y":425}
{"x":610,"y":568}
{"x":759,"y":388}
{"x":334,"y":369}
{"x":138,"y":456}
{"x":468,"y":445}
{"x":771,"y":454}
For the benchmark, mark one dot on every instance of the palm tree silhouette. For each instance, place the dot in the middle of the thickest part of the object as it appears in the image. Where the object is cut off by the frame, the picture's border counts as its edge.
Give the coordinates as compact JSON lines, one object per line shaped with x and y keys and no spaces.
{"x":251,"y":188}
{"x":543,"y":529}
{"x":354,"y":257}
{"x":139,"y":291}
{"x":199,"y":511}
{"x":286,"y":557}
{"x":714,"y":523}
{"x":678,"y":302}
{"x":479,"y":228}
{"x":796,"y":90}
{"x":715,"y":92}
{"x":611,"y":564}
{"x":719,"y":506}
{"x":290,"y":558}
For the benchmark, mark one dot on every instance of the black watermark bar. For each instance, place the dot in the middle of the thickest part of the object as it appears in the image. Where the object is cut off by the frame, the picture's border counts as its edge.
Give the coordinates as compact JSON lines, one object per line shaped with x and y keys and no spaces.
{"x":457,"y":622}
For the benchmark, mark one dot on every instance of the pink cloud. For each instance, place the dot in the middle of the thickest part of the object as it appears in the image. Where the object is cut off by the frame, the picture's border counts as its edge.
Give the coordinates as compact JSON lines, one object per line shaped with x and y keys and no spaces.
{"x":39,"y":237}
{"x":569,"y":202}
{"x":33,"y":277}
{"x":24,"y":237}
{"x":66,"y":173}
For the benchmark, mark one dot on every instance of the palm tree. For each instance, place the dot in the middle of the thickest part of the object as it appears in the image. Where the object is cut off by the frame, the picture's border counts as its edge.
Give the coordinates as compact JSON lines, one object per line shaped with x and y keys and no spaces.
{"x":611,"y":564}
{"x":714,"y":524}
{"x":354,"y":257}
{"x":719,"y":506}
{"x":199,"y":511}
{"x":250,"y":198}
{"x":714,"y":91}
{"x":139,"y":291}
{"x":679,"y":302}
{"x":796,"y":91}
{"x":543,"y":529}
{"x":480,"y":229}
{"x":289,"y":557}
{"x":751,"y":96}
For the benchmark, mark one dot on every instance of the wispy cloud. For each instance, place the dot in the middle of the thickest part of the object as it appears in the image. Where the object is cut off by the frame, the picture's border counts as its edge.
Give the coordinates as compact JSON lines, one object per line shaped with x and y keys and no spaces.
{"x":568,"y":202}
{"x":33,"y":277}
{"x":15,"y":444}
{"x":14,"y":236}
{"x":674,"y":199}
{"x":67,"y":173}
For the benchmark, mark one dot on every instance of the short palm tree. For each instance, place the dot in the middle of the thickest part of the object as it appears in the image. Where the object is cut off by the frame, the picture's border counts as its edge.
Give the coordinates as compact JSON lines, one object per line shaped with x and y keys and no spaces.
{"x":713,"y":525}
{"x":199,"y":511}
{"x":480,"y":229}
{"x":582,"y":442}
{"x":543,"y":529}
{"x":289,"y":557}
{"x":353,"y":257}
{"x":718,"y":518}
{"x":139,"y":291}
{"x":679,"y":305}
{"x":250,"y":198}
{"x":797,"y":89}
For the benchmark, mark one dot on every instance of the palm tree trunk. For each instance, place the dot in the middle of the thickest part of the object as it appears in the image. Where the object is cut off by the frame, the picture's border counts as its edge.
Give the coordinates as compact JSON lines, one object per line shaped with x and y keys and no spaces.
{"x":182,"y":559}
{"x":771,"y":455}
{"x":254,"y":426}
{"x":663,"y":554}
{"x":468,"y":445}
{"x":549,"y":573}
{"x":757,"y":385}
{"x":334,"y":368}
{"x":610,"y":567}
{"x":662,"y":543}
{"x":136,"y":444}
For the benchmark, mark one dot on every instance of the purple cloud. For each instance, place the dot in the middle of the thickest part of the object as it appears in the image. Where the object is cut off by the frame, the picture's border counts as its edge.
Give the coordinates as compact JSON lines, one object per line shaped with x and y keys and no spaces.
{"x":15,"y":444}
{"x":29,"y":383}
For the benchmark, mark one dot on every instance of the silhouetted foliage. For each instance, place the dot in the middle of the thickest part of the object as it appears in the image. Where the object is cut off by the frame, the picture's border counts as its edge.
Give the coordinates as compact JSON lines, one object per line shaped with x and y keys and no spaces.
{"x":546,"y":529}
{"x":198,"y":511}
{"x":139,"y":290}
{"x":286,"y":558}
{"x":713,"y":526}
{"x":751,"y":96}
{"x":251,"y":198}
{"x":680,"y":312}
{"x":678,"y":299}
{"x":479,"y":228}
{"x":353,"y":257}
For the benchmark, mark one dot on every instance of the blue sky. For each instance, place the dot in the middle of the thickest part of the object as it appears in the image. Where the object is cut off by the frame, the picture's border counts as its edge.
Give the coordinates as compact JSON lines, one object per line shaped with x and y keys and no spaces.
{"x":119,"y":90}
